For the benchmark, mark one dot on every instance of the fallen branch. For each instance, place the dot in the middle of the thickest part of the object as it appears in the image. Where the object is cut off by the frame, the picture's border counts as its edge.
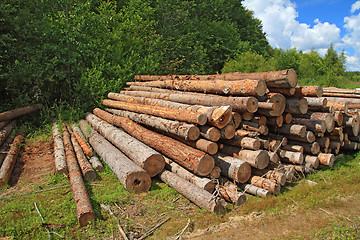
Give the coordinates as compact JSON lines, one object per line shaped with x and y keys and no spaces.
{"x":118,"y":221}
{"x":152,"y":230}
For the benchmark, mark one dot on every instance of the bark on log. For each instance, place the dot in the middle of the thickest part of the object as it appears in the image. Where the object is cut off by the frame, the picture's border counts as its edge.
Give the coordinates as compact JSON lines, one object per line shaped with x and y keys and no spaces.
{"x":276,"y":176}
{"x":4,"y":149}
{"x":313,"y":160}
{"x":59,"y":151}
{"x":228,"y":132}
{"x":339,"y":106}
{"x":7,"y":166}
{"x":264,"y":144}
{"x":251,"y":126}
{"x":11,"y":114}
{"x":279,"y":102}
{"x":320,"y":102}
{"x":198,"y":196}
{"x":233,"y":168}
{"x":260,"y":192}
{"x":265,"y":183}
{"x":5,"y":132}
{"x":309,"y":91}
{"x":192,"y":159}
{"x":293,"y":148}
{"x":244,"y":142}
{"x":335,"y":146}
{"x":82,"y":140}
{"x":239,"y":104}
{"x":211,"y":133}
{"x":181,"y":129}
{"x":236,"y":119}
{"x":237,"y":87}
{"x":203,"y":183}
{"x":296,"y":105}
{"x":284,"y":91}
{"x":145,"y":157}
{"x":309,"y":137}
{"x":200,"y":144}
{"x":173,"y":114}
{"x":353,"y":146}
{"x":259,"y":119}
{"x":293,"y":157}
{"x":229,"y":191}
{"x":327,"y":117}
{"x":318,"y":126}
{"x":96,"y":164}
{"x":84,"y":210}
{"x":3,"y":124}
{"x":293,"y":129}
{"x":309,"y":148}
{"x":327,"y":159}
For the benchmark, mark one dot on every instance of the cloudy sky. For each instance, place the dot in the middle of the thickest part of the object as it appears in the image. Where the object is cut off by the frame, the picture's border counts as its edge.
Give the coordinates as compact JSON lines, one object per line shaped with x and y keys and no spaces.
{"x":308,"y":24}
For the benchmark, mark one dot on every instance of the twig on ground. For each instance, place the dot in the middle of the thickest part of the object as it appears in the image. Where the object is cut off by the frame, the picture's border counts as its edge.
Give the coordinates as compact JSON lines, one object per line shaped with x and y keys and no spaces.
{"x":118,"y":221}
{"x":179,"y":234}
{"x":42,"y":219}
{"x":152,"y":230}
{"x":40,"y":191}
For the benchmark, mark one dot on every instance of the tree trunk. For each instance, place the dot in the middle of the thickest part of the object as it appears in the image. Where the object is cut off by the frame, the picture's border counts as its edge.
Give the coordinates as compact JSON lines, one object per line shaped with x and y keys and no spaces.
{"x":265,"y":183}
{"x":327,"y":159}
{"x":5,"y":132}
{"x":296,"y":105}
{"x":284,"y":91}
{"x":309,"y":137}
{"x":59,"y":151}
{"x":192,"y":159}
{"x":198,"y":196}
{"x":233,"y":168}
{"x":144,"y":156}
{"x":229,"y":191}
{"x":293,"y":129}
{"x":339,"y":106}
{"x":260,"y":192}
{"x":174,"y":114}
{"x":313,"y":160}
{"x":82,"y":140}
{"x":9,"y":115}
{"x":7,"y":166}
{"x":84,"y":210}
{"x":211,"y":133}
{"x":279,"y":102}
{"x":318,"y":126}
{"x":200,"y":144}
{"x":244,"y":142}
{"x":293,"y":157}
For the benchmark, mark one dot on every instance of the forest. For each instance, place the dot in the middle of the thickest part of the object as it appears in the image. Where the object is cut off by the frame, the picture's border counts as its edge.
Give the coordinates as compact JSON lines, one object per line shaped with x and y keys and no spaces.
{"x":68,"y":54}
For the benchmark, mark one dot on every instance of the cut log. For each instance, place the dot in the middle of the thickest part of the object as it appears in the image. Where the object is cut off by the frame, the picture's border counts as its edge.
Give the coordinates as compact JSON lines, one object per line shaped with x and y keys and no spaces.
{"x":215,"y":173}
{"x":244,"y":142}
{"x":296,"y":105}
{"x":276,"y":176}
{"x":247,"y":116}
{"x":228,"y":132}
{"x":233,"y":168}
{"x":293,"y":148}
{"x":327,"y":117}
{"x":288,"y":118}
{"x":59,"y":151}
{"x":293,"y":129}
{"x":144,"y":156}
{"x":84,"y":210}
{"x":309,"y":137}
{"x":309,"y":91}
{"x":244,"y":133}
{"x":260,"y":192}
{"x":318,"y":126}
{"x":313,"y":160}
{"x":335,"y":146}
{"x":201,"y":144}
{"x":210,"y":133}
{"x":323,"y":142}
{"x":192,"y":159}
{"x":275,"y":121}
{"x":173,"y":114}
{"x":339,"y":106}
{"x":96,"y":164}
{"x":181,"y":129}
{"x":203,"y":183}
{"x":11,"y":114}
{"x":239,"y":104}
{"x":255,"y":127}
{"x":236,"y":119}
{"x":274,"y":157}
{"x":315,"y":102}
{"x":198,"y":196}
{"x":82,"y":140}
{"x":259,"y":119}
{"x":309,"y":148}
{"x":265,"y":183}
{"x":327,"y":159}
{"x":339,"y":117}
{"x":353,"y":146}
{"x":279,"y":102}
{"x":293,"y":157}
{"x":7,"y":166}
{"x":5,"y":132}
{"x":229,"y":191}
{"x":283,"y":91}
{"x":238,"y":87}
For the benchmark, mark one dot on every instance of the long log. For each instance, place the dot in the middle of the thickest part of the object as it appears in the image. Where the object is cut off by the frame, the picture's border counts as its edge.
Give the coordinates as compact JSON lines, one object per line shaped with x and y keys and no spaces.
{"x":236,"y":169}
{"x":293,"y":129}
{"x":312,"y":125}
{"x":200,"y":144}
{"x":279,"y":104}
{"x":296,"y":105}
{"x":239,"y":104}
{"x":5,"y":132}
{"x":11,"y":114}
{"x":248,"y":188}
{"x":59,"y":151}
{"x":319,"y":102}
{"x":145,"y":157}
{"x":84,"y":210}
{"x":238,"y":87}
{"x":173,"y":114}
{"x":82,"y":140}
{"x":192,"y":159}
{"x":211,"y":133}
{"x":198,"y":196}
{"x":217,"y":116}
{"x":308,"y":91}
{"x":7,"y":166}
{"x":4,"y":149}
{"x":327,"y":117}
{"x":229,"y":191}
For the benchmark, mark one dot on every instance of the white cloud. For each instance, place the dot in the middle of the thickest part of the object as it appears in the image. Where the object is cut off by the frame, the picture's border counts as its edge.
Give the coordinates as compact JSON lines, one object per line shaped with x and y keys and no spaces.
{"x":352,"y":38}
{"x":355,"y":6}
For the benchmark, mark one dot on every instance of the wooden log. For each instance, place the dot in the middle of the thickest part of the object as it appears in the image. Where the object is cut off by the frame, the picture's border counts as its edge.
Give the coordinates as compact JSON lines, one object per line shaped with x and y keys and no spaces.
{"x":211,"y":133}
{"x":233,"y":168}
{"x":215,"y":173}
{"x":283,"y":91}
{"x":260,"y":192}
{"x":348,"y":120}
{"x":201,"y":182}
{"x":327,"y":117}
{"x":324,"y":142}
{"x":228,"y":132}
{"x":276,"y":121}
{"x":320,"y":102}
{"x":296,"y":105}
{"x":264,"y":144}
{"x":192,"y":159}
{"x":244,"y":142}
{"x":293,"y":148}
{"x":265,"y":183}
{"x":217,"y":116}
{"x":335,"y":146}
{"x":244,"y":133}
{"x":239,"y":104}
{"x":3,"y":124}
{"x":251,"y":126}
{"x":339,"y":117}
{"x":313,"y":160}
{"x":5,"y":132}
{"x":144,"y":156}
{"x":11,"y":114}
{"x":258,"y":159}
{"x":96,"y":164}
{"x":8,"y":164}
{"x":173,"y":114}
{"x":318,"y":126}
{"x":288,"y":118}
{"x":327,"y":159}
{"x":247,"y":116}
{"x":229,"y":191}
{"x":353,"y":146}
{"x":309,"y":91}
{"x":84,"y":210}
{"x":309,"y":148}
{"x":293,"y":129}
{"x":201,"y":144}
{"x":266,"y":105}
{"x":279,"y":102}
{"x":274,"y":157}
{"x":4,"y":149}
{"x":59,"y":151}
{"x":198,"y":196}
{"x":82,"y":140}
{"x":293,"y":157}
{"x":276,"y":176}
{"x":181,"y":129}
{"x":339,"y":106}
{"x":309,"y":137}
{"x":259,"y":119}
{"x":236,"y":119}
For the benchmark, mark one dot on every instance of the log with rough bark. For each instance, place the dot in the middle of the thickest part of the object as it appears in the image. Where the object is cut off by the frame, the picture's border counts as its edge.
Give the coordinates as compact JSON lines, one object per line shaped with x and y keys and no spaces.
{"x":5,"y":132}
{"x":229,"y":191}
{"x":173,"y":114}
{"x":181,"y":129}
{"x":233,"y":168}
{"x":201,"y":182}
{"x":84,"y":210}
{"x":353,"y":146}
{"x":309,"y":137}
{"x":283,"y":91}
{"x":324,"y":142}
{"x":335,"y":146}
{"x":327,"y":117}
{"x":211,"y":133}
{"x":315,"y":102}
{"x":309,"y":91}
{"x":59,"y":151}
{"x":144,"y":156}
{"x":198,"y":196}
{"x":296,"y":105}
{"x":192,"y":159}
{"x":275,"y":121}
{"x":318,"y":126}
{"x":260,"y":192}
{"x":309,"y":148}
{"x":339,"y":106}
{"x":201,"y":144}
{"x":327,"y":159}
{"x":217,"y":116}
{"x":291,"y":129}
{"x":293,"y":157}
{"x":239,"y":104}
{"x":276,"y":176}
{"x":10,"y":160}
{"x":279,"y":102}
{"x":293,"y":148}
{"x":244,"y":142}
{"x":82,"y":140}
{"x":313,"y":160}
{"x":238,"y":87}
{"x":11,"y":114}
{"x":265,"y":183}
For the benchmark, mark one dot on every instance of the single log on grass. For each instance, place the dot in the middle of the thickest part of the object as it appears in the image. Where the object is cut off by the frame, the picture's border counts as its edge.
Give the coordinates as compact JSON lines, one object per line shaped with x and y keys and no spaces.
{"x":173,"y":114}
{"x":296,"y":105}
{"x":211,"y":133}
{"x":229,"y":191}
{"x":236,"y":169}
{"x":327,"y":159}
{"x":238,"y":87}
{"x":59,"y":151}
{"x":265,"y":183}
{"x":254,"y":190}
{"x":10,"y":159}
{"x":5,"y":132}
{"x":198,"y":196}
{"x":192,"y":159}
{"x":144,"y":156}
{"x":9,"y":115}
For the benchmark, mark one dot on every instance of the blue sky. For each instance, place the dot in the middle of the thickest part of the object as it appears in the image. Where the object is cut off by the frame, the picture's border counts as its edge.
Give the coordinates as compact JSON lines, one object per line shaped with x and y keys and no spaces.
{"x":312,"y":24}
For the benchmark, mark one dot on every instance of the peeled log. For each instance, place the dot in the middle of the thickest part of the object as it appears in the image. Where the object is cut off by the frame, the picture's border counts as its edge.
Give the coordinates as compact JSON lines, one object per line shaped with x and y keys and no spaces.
{"x":236,"y":169}
{"x":327,"y":159}
{"x":265,"y":183}
{"x":248,"y":188}
{"x":5,"y":132}
{"x":229,"y":191}
{"x":198,"y":196}
{"x":145,"y":157}
{"x":9,"y":115}
{"x":192,"y":159}
{"x":181,"y":129}
{"x":59,"y":151}
{"x":84,"y":210}
{"x":10,"y":160}
{"x":174,"y":114}
{"x":296,"y":105}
